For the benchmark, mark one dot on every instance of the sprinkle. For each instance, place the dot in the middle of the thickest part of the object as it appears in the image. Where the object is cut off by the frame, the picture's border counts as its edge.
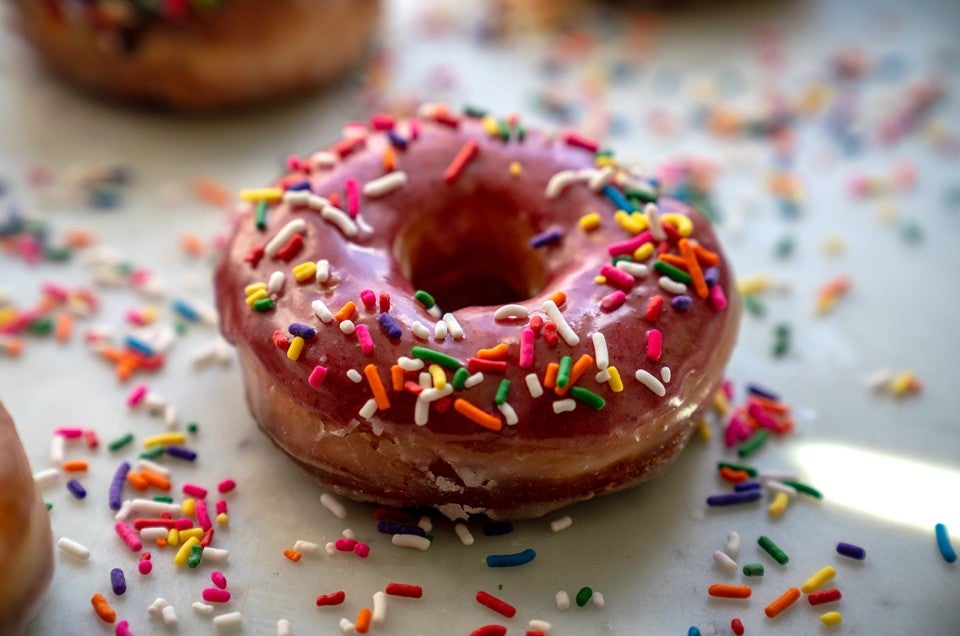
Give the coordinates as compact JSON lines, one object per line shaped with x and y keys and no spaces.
{"x":652,"y":310}
{"x":340,"y":219}
{"x":651,"y":382}
{"x":653,"y":222}
{"x":583,"y":596}
{"x":368,"y":409}
{"x":943,"y":543}
{"x":413,"y":541}
{"x":636,"y":270}
{"x":563,"y":329}
{"x":336,"y":598}
{"x":831,"y":618}
{"x":723,"y":590}
{"x":460,"y":161}
{"x":365,"y":339}
{"x":612,"y":301}
{"x":497,"y":605}
{"x":562,"y":600}
{"x":786,"y":600}
{"x":228,"y":622}
{"x":180,"y":453}
{"x":103,"y":609}
{"x":564,"y":406}
{"x":430,"y":355}
{"x":511,"y":312}
{"x":284,"y":235}
{"x":753,"y":444}
{"x":851,"y":551}
{"x":439,"y":331}
{"x":336,"y":508}
{"x":617,"y":277}
{"x":503,"y":389}
{"x":736,"y":626}
{"x":128,"y":536}
{"x":490,"y":630}
{"x":117,"y":581}
{"x":779,"y":504}
{"x":724,"y":562}
{"x":511,"y":560}
{"x":733,"y":543}
{"x":773,"y":550}
{"x":385,"y":185}
{"x":589,"y":222}
{"x":420,"y":330}
{"x":477,"y":415}
{"x":533,"y":385}
{"x":547,"y":237}
{"x":671,"y":285}
{"x":753,"y":569}
{"x":588,"y":397}
{"x":463,"y":533}
{"x":272,"y":195}
{"x":804,"y":488}
{"x":734,"y":498}
{"x":404,"y":589}
{"x":76,"y":489}
{"x":830,"y":595}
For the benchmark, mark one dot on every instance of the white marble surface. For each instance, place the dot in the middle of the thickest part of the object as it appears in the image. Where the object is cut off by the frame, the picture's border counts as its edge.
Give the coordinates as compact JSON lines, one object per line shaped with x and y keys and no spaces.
{"x":888,"y":467}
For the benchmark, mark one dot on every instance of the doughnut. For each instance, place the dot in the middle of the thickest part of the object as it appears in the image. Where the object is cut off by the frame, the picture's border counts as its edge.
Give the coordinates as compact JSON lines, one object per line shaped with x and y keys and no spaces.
{"x":26,"y":546}
{"x":456,"y":312}
{"x":198,"y":56}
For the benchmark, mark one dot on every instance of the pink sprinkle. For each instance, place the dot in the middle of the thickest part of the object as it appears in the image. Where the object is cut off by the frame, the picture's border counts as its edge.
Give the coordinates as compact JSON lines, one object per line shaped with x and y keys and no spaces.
{"x":127,"y":534}
{"x":579,"y":141}
{"x":369,"y":299}
{"x":414,"y":129}
{"x":218,"y":579}
{"x":737,"y":431}
{"x":221,"y":507}
{"x":362,"y":550}
{"x":90,"y":437}
{"x":294,"y":162}
{"x":226,"y":486}
{"x":345,"y":545}
{"x":526,"y":348}
{"x":762,"y":416}
{"x":654,"y":344}
{"x":193,"y":490}
{"x":612,"y":301}
{"x":145,"y":566}
{"x":183,"y":523}
{"x":630,"y":245}
{"x":215,"y":595}
{"x":718,"y":297}
{"x":139,"y":276}
{"x":56,"y":290}
{"x":353,"y":197}
{"x":203,"y":517}
{"x":617,"y":277}
{"x":123,"y":629}
{"x":135,"y":317}
{"x":366,"y":341}
{"x":382,"y":121}
{"x":137,"y":394}
{"x":69,"y":433}
{"x":317,"y":376}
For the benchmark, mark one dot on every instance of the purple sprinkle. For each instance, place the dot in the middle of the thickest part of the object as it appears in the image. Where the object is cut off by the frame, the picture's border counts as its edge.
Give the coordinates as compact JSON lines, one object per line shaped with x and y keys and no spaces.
{"x":497,"y":528}
{"x":396,"y":140}
{"x":746,"y":485}
{"x":117,"y":581}
{"x":756,"y":389}
{"x":181,"y":453}
{"x":299,"y":185}
{"x":852,"y":551}
{"x":712,"y":276}
{"x":733,"y":498}
{"x":390,"y":326}
{"x":76,"y":489}
{"x":681,"y":302}
{"x":547,"y":237}
{"x":392,"y":527}
{"x":304,"y":331}
{"x":115,"y":496}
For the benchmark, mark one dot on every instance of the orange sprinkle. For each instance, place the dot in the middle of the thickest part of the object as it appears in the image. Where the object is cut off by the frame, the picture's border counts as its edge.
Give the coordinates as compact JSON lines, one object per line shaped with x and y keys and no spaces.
{"x":74,"y":466}
{"x":550,"y":377}
{"x":723,"y":590}
{"x":673,"y":259}
{"x":64,"y":326}
{"x":138,"y":482}
{"x":191,"y":244}
{"x":464,"y":156}
{"x":78,"y":238}
{"x":155,"y":479}
{"x":734,"y":476}
{"x":209,"y":191}
{"x":478,"y":416}
{"x":789,"y":598}
{"x":46,"y":303}
{"x":389,"y":159}
{"x":293,"y":555}
{"x":693,"y":266}
{"x":345,"y":312}
{"x":705,"y":256}
{"x":102,"y":608}
{"x":778,"y":408}
{"x":835,"y":286}
{"x":161,"y":542}
{"x":494,"y":353}
{"x":579,"y":368}
{"x":14,"y":347}
{"x":396,"y":377}
{"x":559,"y":298}
{"x":363,"y":621}
{"x":376,"y":385}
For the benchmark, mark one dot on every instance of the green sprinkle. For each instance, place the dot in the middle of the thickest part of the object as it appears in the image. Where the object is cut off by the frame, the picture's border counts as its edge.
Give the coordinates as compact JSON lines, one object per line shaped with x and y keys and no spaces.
{"x":459,"y":378}
{"x":641,"y":196}
{"x":41,"y":326}
{"x":617,"y":259}
{"x":753,"y":569}
{"x":753,"y":444}
{"x":152,"y":453}
{"x":753,"y":305}
{"x":192,"y":428}
{"x":502,"y":389}
{"x":521,"y":133}
{"x":424,"y":298}
{"x":588,"y":397}
{"x":120,"y":442}
{"x":804,"y":488}
{"x":563,"y":375}
{"x":264,"y":304}
{"x":584,"y":596}
{"x":261,"y":215}
{"x":49,"y":506}
{"x":474,"y":111}
{"x":781,"y":339}
{"x":196,"y":554}
{"x":429,"y":355}
{"x":670,"y":271}
{"x":59,"y":254}
{"x":503,"y":130}
{"x":771,"y":548}
{"x":750,"y":470}
{"x":163,"y":498}
{"x":784,"y":247}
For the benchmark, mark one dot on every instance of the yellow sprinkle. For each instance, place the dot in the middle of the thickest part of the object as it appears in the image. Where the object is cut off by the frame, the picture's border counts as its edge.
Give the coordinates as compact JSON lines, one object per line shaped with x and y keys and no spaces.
{"x":779,"y":504}
{"x":149,"y":314}
{"x":590,"y":222}
{"x":191,"y":532}
{"x":680,"y":221}
{"x":296,"y":346}
{"x":261,"y":194}
{"x":720,"y":403}
{"x":7,"y":314}
{"x":831,"y":618}
{"x":754,"y":284}
{"x":902,"y":383}
{"x":616,"y":384}
{"x":304,"y":272}
{"x":816,"y":581}
{"x":516,"y":168}
{"x":184,"y":552}
{"x":703,"y":431}
{"x":833,"y":245}
{"x":825,"y":304}
{"x":490,"y":126}
{"x":223,"y":519}
{"x":643,"y":252}
{"x":188,"y":506}
{"x":600,"y":280}
{"x":633,"y":223}
{"x":603,"y":161}
{"x":163,"y":439}
{"x":438,"y":375}
{"x":257,"y":295}
{"x":252,"y":287}
{"x":173,"y":537}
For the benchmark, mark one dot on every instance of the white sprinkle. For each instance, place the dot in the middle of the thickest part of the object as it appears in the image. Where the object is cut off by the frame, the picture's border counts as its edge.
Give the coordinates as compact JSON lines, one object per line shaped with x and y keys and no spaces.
{"x":600,"y":178}
{"x":672,"y":286}
{"x":322,"y":311}
{"x":538,"y":625}
{"x":666,"y":374}
{"x":348,"y":327}
{"x":473,"y":380}
{"x":156,"y":608}
{"x":296,"y":197}
{"x":170,"y":417}
{"x":533,"y":385}
{"x":464,"y":533}
{"x":57,"y":448}
{"x":653,"y":222}
{"x":152,"y":465}
{"x":336,"y":216}
{"x":559,"y":182}
{"x":637,"y":270}
{"x":597,"y":599}
{"x":46,"y":477}
{"x":154,"y":403}
{"x":379,"y":613}
{"x":561,"y":524}
{"x":410,"y":364}
{"x":600,"y":351}
{"x":440,"y":331}
{"x":509,"y":415}
{"x":511,"y":312}
{"x":779,"y":486}
{"x":152,"y":534}
{"x":425,"y":380}
{"x":602,"y":376}
{"x":733,"y":544}
{"x":411,"y":541}
{"x":317,"y":202}
{"x":323,"y":271}
{"x":229,"y":621}
{"x":346,"y":626}
{"x":425,"y":524}
{"x":323,"y":159}
{"x":150,"y":508}
{"x":649,"y":381}
{"x":330,"y":548}
{"x":368,"y":409}
{"x":385,"y":184}
{"x":202,"y":608}
{"x":284,"y":627}
{"x":169,"y":616}
{"x":435,"y":312}
{"x":563,"y":329}
{"x":73,"y":548}
{"x":296,"y":226}
{"x":420,"y":330}
{"x":564,"y":406}
{"x":456,"y":331}
{"x":306,"y":547}
{"x":330,"y":502}
{"x":275,"y":283}
{"x":563,"y":600}
{"x":421,"y":411}
{"x":433,"y":394}
{"x":348,"y":533}
{"x":724,"y":562}
{"x":215,"y":555}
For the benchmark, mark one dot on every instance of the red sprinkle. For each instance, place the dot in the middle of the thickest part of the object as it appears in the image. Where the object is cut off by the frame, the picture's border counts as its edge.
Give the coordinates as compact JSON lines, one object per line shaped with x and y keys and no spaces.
{"x":654,"y":305}
{"x":489,"y":630}
{"x":459,"y":163}
{"x":486,"y":366}
{"x":550,"y":333}
{"x":254,"y":255}
{"x":226,"y":486}
{"x":347,"y":146}
{"x":737,"y":627}
{"x":579,"y":141}
{"x":824,"y":596}
{"x":404,"y":589}
{"x":612,"y":301}
{"x":291,"y":249}
{"x":536,"y":324}
{"x":384,"y":302}
{"x":331,"y":599}
{"x":499,"y":606}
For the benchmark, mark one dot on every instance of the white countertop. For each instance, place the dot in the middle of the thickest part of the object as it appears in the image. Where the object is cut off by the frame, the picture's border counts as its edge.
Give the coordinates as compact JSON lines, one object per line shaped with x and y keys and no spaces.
{"x":888,"y":467}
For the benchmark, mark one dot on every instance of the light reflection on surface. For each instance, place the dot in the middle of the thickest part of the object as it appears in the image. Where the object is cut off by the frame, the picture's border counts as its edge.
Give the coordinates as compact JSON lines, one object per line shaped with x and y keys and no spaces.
{"x":893,"y":488}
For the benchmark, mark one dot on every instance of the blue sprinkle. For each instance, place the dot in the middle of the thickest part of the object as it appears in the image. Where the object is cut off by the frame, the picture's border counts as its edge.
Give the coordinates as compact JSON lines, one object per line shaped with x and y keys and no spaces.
{"x":76,"y":489}
{"x":943,"y":543}
{"x":746,"y":485}
{"x":547,"y":237}
{"x":304,"y":331}
{"x":185,"y":310}
{"x":712,"y":276}
{"x":392,"y":527}
{"x":396,"y":140}
{"x":681,"y":302}
{"x":511,"y":560}
{"x":138,"y":345}
{"x":851,"y":551}
{"x":618,"y":198}
{"x":497,"y":528}
{"x":693,"y":631}
{"x":389,"y":325}
{"x":117,"y":581}
{"x":181,"y":453}
{"x":756,"y":389}
{"x":299,"y":185}
{"x":734,"y":498}
{"x":115,"y":496}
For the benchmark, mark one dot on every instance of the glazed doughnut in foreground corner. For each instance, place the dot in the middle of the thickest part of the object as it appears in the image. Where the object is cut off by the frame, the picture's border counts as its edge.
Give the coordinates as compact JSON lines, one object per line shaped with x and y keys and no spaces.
{"x":26,"y":546}
{"x":198,"y":56}
{"x":585,"y":322}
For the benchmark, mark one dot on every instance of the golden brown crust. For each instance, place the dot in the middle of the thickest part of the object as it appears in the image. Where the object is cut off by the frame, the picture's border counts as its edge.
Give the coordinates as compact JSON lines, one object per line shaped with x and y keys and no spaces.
{"x":26,"y":545}
{"x":248,"y":51}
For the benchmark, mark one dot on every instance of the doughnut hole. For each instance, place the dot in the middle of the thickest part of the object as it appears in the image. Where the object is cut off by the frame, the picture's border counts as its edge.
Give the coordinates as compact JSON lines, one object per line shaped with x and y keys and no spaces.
{"x":478,"y":256}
